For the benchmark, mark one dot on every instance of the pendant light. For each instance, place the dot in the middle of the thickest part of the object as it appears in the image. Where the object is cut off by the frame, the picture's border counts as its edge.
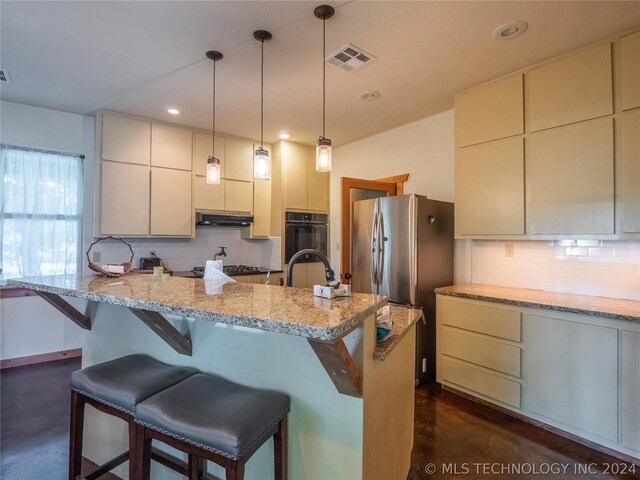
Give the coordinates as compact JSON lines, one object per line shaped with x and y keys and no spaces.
{"x":261,"y":161}
{"x":323,"y":146}
{"x":213,"y":163}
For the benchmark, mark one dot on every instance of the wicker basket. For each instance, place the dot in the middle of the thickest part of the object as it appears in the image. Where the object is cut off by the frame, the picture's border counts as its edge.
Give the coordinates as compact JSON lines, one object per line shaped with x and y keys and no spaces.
{"x":97,"y":268}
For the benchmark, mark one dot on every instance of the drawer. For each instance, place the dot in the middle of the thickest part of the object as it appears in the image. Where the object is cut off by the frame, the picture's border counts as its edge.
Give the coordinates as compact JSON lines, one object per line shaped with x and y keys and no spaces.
{"x":481,"y":351}
{"x":497,"y":322}
{"x":485,"y":383}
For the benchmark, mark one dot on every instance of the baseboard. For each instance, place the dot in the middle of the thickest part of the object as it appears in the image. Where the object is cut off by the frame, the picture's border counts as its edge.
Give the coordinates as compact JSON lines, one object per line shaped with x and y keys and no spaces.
{"x":40,"y":358}
{"x":545,"y":426}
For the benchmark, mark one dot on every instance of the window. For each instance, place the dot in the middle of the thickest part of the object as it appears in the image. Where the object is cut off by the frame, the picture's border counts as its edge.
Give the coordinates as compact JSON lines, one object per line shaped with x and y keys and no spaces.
{"x":40,"y":212}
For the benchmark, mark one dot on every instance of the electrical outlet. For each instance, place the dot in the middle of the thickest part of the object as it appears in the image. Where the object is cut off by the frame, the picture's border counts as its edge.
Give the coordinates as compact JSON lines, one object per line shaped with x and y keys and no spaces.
{"x":337,"y":245}
{"x":424,"y":364}
{"x":95,"y":257}
{"x":508,"y":249}
{"x":152,"y":253}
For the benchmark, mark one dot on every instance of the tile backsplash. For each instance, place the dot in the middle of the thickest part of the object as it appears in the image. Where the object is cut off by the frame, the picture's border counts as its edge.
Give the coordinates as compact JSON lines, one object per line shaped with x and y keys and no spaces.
{"x":185,"y":253}
{"x":604,"y":268}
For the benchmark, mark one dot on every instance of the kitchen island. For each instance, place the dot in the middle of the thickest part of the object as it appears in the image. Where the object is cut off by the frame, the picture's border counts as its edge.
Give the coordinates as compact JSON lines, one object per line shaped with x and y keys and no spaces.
{"x":351,"y":415}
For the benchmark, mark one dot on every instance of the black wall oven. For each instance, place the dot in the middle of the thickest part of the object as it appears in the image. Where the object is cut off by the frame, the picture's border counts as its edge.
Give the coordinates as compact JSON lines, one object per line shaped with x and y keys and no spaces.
{"x":304,"y":230}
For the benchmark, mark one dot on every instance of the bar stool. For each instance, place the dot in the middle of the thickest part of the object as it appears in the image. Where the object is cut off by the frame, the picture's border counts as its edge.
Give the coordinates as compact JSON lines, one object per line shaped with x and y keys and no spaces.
{"x":116,"y":387}
{"x":211,"y":418}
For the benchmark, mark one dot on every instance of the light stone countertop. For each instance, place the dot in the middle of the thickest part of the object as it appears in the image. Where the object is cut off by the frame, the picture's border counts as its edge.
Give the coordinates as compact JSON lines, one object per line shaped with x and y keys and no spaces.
{"x":615,"y":308}
{"x":292,"y":311}
{"x":403,"y":319}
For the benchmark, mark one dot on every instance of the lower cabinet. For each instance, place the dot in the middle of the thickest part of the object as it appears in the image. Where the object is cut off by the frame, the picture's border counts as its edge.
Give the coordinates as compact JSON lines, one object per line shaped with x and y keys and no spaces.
{"x":260,"y":279}
{"x":577,"y":373}
{"x":630,"y":388}
{"x":306,"y":275}
{"x":565,"y":380}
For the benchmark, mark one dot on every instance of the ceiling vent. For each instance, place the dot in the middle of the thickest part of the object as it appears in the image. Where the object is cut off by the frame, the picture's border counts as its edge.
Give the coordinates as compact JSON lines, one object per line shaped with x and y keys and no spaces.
{"x":350,"y":58}
{"x":4,"y":76}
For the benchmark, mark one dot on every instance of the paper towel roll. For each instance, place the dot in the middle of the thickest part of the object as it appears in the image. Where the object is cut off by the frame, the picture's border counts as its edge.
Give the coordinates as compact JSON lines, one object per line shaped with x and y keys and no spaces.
{"x":210,"y":266}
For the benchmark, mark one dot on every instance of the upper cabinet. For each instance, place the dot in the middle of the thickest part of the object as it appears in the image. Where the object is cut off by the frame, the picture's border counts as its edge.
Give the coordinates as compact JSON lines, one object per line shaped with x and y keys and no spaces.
{"x":239,"y":160}
{"x":489,"y":184}
{"x":576,"y":168}
{"x":569,"y":179}
{"x":125,"y":140}
{"x":144,"y":178}
{"x":630,"y":71}
{"x":303,"y":187}
{"x":573,"y":89}
{"x":170,"y":147}
{"x":491,"y":111}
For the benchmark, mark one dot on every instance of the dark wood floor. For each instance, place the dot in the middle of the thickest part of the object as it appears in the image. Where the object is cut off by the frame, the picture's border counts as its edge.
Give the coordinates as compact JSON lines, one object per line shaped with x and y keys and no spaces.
{"x":451,"y":433}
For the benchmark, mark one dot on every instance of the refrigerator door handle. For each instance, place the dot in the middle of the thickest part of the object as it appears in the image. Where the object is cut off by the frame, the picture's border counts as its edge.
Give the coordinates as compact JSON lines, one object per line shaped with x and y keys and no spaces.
{"x":374,"y":235}
{"x":380,"y":267}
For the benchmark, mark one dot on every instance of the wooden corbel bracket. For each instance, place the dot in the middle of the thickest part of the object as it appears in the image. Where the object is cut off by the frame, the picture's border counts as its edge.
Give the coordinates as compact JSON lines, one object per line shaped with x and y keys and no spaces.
{"x":66,"y":309}
{"x":337,"y":361}
{"x":167,"y":332}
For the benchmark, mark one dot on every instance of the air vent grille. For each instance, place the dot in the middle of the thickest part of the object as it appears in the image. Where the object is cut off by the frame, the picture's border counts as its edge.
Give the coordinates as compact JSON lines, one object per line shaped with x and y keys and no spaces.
{"x":4,"y":76}
{"x":350,"y":58}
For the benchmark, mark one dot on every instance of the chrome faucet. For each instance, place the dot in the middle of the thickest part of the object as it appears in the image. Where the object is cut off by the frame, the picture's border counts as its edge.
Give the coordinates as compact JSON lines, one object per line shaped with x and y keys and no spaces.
{"x":329,"y":273}
{"x":221,"y":253}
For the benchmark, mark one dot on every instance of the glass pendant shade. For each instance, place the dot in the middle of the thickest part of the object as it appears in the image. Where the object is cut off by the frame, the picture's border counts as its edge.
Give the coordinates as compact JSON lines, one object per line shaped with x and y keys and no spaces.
{"x":261,"y":165}
{"x":323,"y":155}
{"x":213,"y":171}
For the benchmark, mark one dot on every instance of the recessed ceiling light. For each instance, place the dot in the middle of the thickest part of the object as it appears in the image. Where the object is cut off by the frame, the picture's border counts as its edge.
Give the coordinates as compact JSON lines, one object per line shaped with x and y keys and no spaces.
{"x":369,"y":95}
{"x":510,"y":30}
{"x":174,"y":111}
{"x":284,"y":136}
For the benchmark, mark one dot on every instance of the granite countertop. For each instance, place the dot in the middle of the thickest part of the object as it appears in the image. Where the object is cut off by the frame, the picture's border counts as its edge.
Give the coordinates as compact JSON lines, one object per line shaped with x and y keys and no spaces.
{"x":403,"y":319}
{"x":292,"y":311}
{"x":615,"y":308}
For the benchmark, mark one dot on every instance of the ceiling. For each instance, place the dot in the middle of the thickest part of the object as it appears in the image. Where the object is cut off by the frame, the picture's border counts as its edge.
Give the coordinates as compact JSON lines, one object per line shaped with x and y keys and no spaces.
{"x":143,"y":57}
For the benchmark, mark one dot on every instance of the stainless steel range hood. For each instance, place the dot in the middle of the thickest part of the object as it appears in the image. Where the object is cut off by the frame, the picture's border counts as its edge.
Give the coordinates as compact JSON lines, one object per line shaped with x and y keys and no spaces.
{"x":223,"y":220}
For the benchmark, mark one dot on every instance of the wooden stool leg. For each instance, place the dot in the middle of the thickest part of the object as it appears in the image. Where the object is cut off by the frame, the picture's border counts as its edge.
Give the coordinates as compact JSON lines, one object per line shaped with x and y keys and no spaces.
{"x":143,"y":454}
{"x":75,"y":435}
{"x":196,"y":467}
{"x":134,"y":458}
{"x":280,"y":448}
{"x":234,"y":470}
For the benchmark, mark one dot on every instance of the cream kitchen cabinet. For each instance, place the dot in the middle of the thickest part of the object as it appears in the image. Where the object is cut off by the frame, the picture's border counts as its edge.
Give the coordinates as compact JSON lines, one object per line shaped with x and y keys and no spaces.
{"x":565,"y":381}
{"x":202,"y":143}
{"x":171,"y":208}
{"x":303,"y":187}
{"x":577,"y":373}
{"x":208,"y":197}
{"x":570,"y":179}
{"x":171,"y":147}
{"x":489,"y":188}
{"x":478,"y":349}
{"x":260,"y":279}
{"x":124,"y":199}
{"x":239,"y":159}
{"x":572,"y":89}
{"x":136,"y":197}
{"x":630,"y":71}
{"x":490,"y":112}
{"x":124,"y":139}
{"x":628,"y":171}
{"x":630,"y":388}
{"x":238,"y":196}
{"x":306,"y":275}
{"x":262,"y":203}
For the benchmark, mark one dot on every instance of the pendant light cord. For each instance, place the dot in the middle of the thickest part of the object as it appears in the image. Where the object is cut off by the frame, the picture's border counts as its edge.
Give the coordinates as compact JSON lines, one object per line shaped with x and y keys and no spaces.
{"x":324,"y":76}
{"x":213,"y":113}
{"x":262,"y":94}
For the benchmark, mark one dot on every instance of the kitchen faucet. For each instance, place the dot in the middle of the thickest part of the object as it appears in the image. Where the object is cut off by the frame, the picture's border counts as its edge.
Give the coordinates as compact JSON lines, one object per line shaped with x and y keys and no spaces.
{"x":221,"y":253}
{"x":329,"y":274}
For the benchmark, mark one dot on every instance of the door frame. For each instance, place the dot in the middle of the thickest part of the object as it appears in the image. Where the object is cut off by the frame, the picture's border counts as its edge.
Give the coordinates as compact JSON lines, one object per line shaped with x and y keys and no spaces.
{"x":393,"y":185}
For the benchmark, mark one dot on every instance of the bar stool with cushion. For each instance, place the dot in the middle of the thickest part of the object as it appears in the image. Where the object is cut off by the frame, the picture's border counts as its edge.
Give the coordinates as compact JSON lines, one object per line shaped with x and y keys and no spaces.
{"x":116,"y":387}
{"x":211,"y":418}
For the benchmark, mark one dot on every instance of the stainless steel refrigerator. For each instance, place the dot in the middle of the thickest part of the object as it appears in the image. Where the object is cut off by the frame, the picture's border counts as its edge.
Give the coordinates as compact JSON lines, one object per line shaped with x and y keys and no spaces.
{"x":402,"y":247}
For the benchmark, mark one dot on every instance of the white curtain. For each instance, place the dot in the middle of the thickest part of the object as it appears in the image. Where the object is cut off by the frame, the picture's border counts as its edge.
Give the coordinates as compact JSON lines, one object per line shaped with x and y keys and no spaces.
{"x":40,"y":212}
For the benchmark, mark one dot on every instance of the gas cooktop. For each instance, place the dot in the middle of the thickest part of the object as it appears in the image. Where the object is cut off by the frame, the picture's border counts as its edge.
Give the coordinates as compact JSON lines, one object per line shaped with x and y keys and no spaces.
{"x":231,"y":270}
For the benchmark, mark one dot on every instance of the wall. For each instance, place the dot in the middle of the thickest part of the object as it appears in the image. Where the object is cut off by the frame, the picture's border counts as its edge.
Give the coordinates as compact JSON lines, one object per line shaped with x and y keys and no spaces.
{"x":28,"y":325}
{"x":424,"y":149}
{"x":29,"y":126}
